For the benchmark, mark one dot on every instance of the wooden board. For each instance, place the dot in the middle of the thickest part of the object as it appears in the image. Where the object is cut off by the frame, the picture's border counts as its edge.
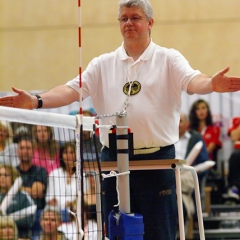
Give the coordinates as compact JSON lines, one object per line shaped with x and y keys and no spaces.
{"x":136,"y":165}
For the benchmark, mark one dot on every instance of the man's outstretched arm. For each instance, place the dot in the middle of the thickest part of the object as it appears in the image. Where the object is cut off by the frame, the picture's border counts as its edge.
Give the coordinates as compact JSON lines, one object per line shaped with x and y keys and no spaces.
{"x":203,"y":84}
{"x":56,"y":97}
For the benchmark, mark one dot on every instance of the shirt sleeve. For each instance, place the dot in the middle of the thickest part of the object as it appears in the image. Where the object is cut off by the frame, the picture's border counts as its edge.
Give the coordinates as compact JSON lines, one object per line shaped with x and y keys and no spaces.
{"x":42,"y":176}
{"x":181,"y":69}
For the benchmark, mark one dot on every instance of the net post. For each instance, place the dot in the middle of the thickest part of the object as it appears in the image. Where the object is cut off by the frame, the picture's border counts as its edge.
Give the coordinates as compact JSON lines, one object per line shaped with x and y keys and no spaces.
{"x":123,"y":163}
{"x":124,"y":224}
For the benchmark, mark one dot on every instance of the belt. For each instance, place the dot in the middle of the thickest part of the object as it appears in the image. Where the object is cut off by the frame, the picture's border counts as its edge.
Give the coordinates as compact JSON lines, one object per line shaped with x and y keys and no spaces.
{"x":146,"y":150}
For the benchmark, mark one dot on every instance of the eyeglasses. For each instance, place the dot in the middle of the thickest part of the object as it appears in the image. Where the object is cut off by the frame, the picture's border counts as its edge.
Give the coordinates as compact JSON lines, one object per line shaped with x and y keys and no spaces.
{"x":134,"y":19}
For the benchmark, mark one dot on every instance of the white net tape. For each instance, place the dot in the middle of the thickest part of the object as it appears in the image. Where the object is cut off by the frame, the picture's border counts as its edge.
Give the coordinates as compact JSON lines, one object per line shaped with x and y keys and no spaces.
{"x":44,"y":118}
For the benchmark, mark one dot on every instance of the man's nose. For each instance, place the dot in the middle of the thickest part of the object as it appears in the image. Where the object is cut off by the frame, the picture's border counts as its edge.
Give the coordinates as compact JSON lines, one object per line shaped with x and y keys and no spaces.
{"x":129,"y":21}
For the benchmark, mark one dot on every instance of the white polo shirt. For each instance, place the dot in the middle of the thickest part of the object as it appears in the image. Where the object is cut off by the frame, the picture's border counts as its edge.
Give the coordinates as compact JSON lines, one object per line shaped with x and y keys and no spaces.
{"x":153,"y":114}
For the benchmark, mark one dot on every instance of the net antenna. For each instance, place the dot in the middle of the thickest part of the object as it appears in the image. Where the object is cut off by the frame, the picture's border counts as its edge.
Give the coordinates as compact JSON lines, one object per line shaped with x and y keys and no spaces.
{"x":78,"y":135}
{"x":81,"y":170}
{"x":80,"y":55}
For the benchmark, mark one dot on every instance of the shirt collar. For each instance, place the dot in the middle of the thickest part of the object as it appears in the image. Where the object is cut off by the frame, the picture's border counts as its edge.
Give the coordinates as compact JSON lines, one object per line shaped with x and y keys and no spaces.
{"x":122,"y":55}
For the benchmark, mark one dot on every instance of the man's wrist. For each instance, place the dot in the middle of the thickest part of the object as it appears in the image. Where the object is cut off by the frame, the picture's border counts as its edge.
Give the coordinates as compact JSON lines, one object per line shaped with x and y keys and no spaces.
{"x":39,"y":101}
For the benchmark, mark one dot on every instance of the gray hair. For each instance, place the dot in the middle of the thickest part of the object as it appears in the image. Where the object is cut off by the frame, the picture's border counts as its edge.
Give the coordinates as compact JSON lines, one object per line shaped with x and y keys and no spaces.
{"x":143,"y":4}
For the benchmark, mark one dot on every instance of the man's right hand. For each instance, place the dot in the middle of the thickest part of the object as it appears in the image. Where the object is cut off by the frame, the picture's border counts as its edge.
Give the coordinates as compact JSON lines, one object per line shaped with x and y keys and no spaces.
{"x":23,"y":99}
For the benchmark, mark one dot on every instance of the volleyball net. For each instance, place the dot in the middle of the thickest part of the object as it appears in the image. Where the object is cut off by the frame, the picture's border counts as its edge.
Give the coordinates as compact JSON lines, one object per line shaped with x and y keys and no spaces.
{"x":52,"y":161}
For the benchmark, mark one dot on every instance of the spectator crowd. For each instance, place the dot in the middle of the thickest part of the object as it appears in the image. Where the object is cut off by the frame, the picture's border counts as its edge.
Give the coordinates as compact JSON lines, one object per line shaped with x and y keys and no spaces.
{"x":38,"y":183}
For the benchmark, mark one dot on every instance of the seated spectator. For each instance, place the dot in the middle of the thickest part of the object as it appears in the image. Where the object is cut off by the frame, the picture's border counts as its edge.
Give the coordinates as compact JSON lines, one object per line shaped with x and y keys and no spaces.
{"x":8,"y":150}
{"x":201,"y":120}
{"x":20,"y":207}
{"x":20,"y":130}
{"x":90,"y":196}
{"x":50,"y":221}
{"x":234,"y":162}
{"x":62,"y":188}
{"x":8,"y":228}
{"x":46,"y":152}
{"x":34,"y":177}
{"x":187,"y":139}
{"x":70,"y":228}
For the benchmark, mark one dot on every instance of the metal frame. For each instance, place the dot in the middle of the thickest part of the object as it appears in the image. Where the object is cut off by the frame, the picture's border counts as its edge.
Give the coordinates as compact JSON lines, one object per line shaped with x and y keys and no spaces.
{"x":175,"y":164}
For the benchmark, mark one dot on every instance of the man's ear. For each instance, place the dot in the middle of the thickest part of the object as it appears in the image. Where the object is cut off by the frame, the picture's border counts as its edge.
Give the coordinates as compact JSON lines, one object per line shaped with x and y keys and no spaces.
{"x":150,"y":23}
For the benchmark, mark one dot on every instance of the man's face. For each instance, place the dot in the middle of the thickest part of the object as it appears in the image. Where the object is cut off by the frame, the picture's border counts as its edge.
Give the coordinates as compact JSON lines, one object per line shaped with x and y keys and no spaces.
{"x":183,"y":125}
{"x":25,"y":151}
{"x":50,"y":222}
{"x":134,"y":24}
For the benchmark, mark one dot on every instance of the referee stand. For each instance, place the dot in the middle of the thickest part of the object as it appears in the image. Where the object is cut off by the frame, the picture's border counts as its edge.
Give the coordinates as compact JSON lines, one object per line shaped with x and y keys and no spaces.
{"x":124,"y":225}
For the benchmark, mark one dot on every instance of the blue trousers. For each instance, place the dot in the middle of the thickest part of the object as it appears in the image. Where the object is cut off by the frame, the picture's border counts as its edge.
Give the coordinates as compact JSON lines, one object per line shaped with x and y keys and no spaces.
{"x":152,"y":194}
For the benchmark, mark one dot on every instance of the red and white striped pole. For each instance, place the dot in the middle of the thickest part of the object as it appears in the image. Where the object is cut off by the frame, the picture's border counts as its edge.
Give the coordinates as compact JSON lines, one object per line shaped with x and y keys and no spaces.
{"x":80,"y":207}
{"x":80,"y":54}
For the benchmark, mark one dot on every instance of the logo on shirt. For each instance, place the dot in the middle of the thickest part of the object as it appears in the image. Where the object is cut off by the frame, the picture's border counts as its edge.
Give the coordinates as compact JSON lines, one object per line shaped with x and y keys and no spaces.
{"x":134,"y":86}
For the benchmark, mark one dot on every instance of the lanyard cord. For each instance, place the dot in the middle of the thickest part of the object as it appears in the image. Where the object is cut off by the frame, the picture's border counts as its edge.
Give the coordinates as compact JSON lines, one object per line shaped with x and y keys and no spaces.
{"x":124,"y":110}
